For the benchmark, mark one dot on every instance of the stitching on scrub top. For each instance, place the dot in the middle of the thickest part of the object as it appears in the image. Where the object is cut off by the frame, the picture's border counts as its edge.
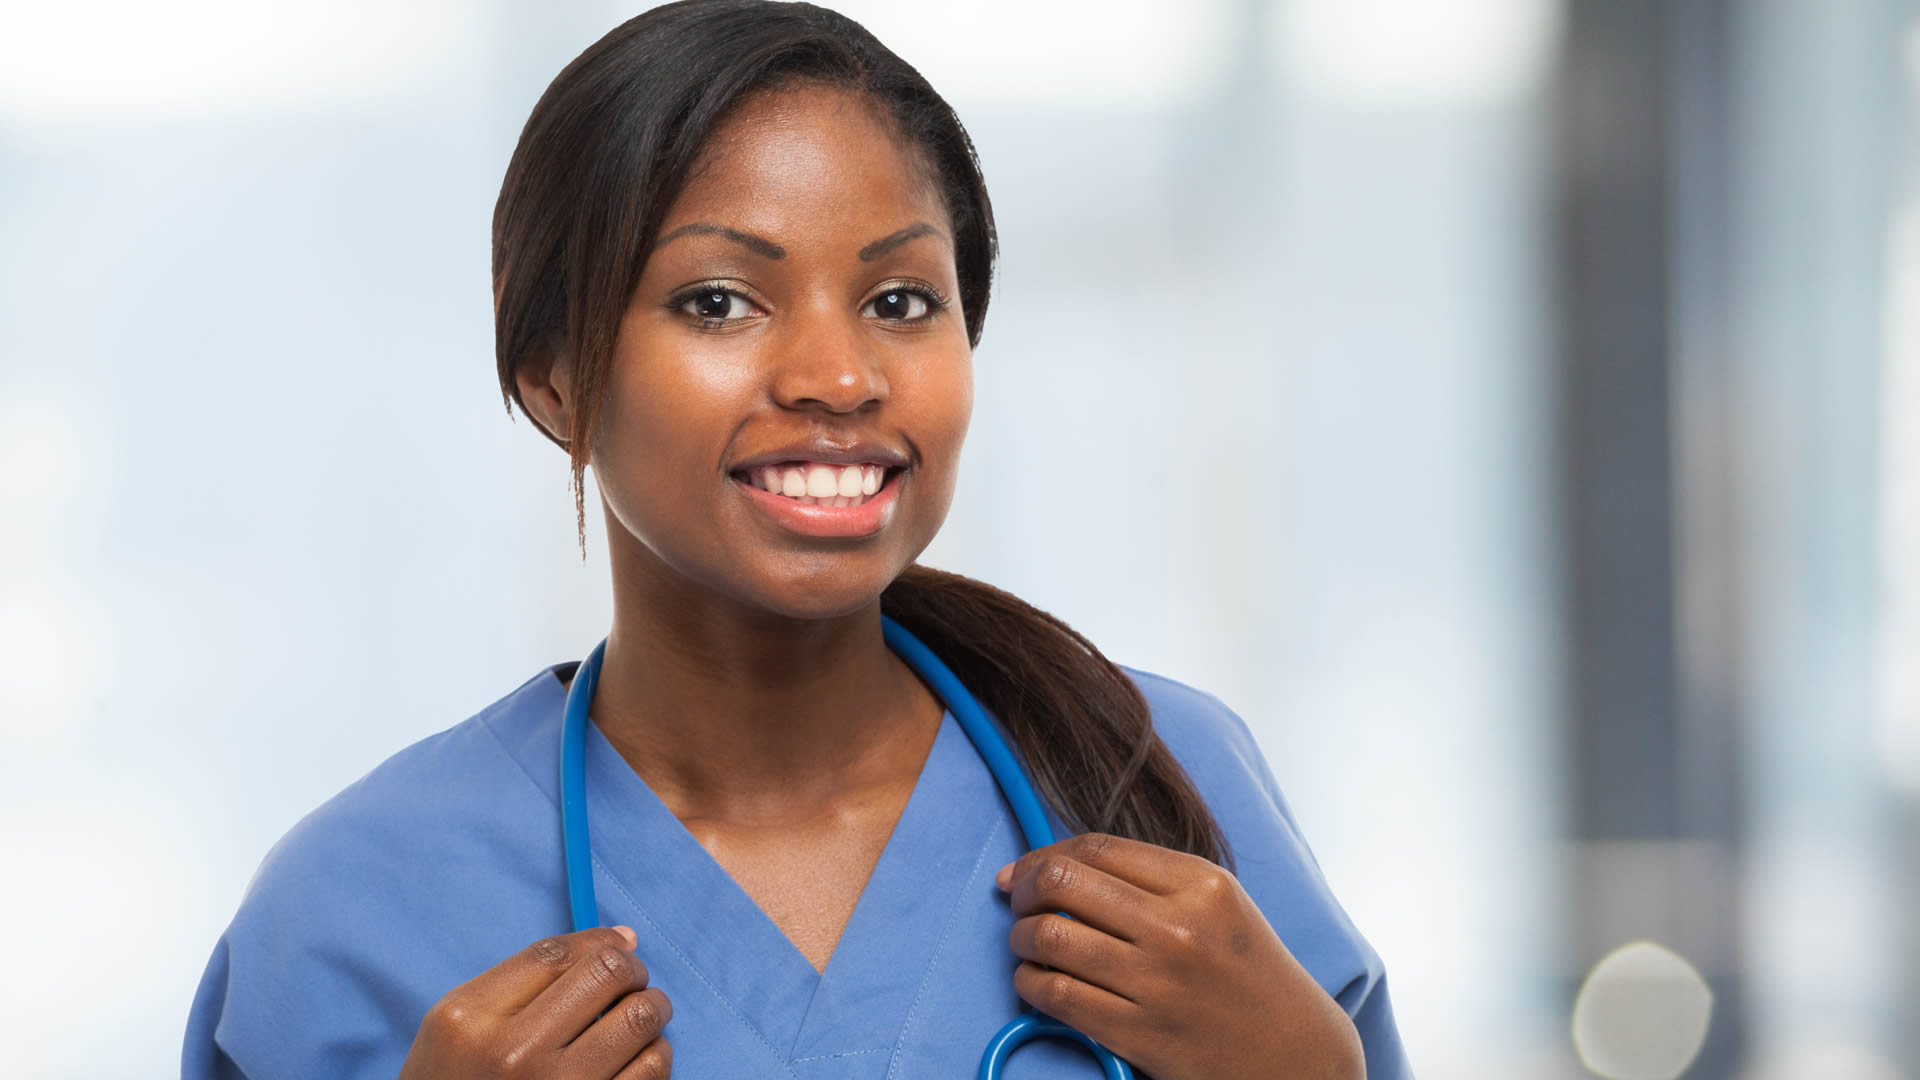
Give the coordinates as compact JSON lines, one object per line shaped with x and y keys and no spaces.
{"x":501,"y":742}
{"x":848,"y":1054}
{"x":704,"y":981}
{"x":953,"y":918}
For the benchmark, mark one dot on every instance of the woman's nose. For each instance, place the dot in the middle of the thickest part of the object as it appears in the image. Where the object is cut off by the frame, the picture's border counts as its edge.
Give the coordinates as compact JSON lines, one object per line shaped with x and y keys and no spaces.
{"x":828,"y":360}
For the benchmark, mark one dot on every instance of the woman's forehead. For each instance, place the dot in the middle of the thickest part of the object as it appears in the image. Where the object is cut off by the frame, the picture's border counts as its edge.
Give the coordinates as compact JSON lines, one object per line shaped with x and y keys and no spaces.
{"x":804,"y":145}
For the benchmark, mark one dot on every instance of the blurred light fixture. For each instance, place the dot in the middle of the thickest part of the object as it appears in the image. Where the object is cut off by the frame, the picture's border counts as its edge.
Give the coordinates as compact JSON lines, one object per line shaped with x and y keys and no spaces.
{"x":75,"y":865}
{"x":52,"y":493}
{"x":1390,"y":54}
{"x":1897,"y":719}
{"x":1641,"y":1015}
{"x":127,"y":60}
{"x":1015,"y":54}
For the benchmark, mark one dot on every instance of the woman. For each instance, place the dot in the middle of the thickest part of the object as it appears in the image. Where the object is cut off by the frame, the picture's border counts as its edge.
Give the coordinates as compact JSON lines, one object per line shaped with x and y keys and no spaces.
{"x":741,"y":259}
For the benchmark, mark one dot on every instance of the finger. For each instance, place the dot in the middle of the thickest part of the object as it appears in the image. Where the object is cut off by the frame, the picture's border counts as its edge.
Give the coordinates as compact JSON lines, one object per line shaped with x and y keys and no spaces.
{"x":1057,"y":882}
{"x":654,"y":1063}
{"x":1150,"y":867}
{"x":574,"y":1001}
{"x":1079,"y":950}
{"x":1101,"y":1015}
{"x":513,"y":983}
{"x":616,"y":1039}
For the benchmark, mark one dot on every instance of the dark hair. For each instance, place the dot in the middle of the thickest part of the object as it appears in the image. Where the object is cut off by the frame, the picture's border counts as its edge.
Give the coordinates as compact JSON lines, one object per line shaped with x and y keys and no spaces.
{"x":603,"y":156}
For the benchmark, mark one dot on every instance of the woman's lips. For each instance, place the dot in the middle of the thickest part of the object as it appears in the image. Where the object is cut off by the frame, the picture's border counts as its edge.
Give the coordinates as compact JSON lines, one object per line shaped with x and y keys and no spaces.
{"x":836,"y":522}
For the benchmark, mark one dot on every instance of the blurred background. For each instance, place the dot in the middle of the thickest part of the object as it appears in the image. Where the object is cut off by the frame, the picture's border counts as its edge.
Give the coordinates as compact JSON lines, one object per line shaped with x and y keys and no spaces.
{"x":1510,"y":407}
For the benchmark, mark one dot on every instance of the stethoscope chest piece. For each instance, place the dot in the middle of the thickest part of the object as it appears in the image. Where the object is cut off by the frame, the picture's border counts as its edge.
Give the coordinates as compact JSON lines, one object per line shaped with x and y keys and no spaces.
{"x":1038,"y":1025}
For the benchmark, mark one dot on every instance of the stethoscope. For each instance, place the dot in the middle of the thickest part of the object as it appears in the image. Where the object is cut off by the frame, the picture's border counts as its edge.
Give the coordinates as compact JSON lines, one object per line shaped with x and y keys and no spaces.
{"x":1006,"y":770}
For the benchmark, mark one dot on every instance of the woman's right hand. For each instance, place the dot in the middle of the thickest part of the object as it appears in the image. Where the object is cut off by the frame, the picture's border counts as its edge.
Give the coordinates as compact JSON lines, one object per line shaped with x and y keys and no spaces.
{"x":537,"y":1014}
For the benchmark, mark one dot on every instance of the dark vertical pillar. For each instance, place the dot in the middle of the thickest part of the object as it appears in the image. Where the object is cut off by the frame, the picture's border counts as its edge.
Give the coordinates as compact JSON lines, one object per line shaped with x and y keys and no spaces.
{"x":1651,"y":762}
{"x":1615,"y":354}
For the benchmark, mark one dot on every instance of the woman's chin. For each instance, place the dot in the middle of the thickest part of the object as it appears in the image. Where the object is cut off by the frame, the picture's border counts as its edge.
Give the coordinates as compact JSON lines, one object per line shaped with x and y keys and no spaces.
{"x":816,"y":602}
{"x":814,"y":588}
{"x":814,"y":584}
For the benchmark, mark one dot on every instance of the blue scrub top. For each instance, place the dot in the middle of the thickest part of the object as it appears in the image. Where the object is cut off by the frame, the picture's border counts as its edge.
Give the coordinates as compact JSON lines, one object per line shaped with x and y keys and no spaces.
{"x":446,"y":859}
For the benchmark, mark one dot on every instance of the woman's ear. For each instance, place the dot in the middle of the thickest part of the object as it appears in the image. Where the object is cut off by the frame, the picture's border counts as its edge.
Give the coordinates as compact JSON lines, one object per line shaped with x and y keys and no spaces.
{"x":545,"y":379}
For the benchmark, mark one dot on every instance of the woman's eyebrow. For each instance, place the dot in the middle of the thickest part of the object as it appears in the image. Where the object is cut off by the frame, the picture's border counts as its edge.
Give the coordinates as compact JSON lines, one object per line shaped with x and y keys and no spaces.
{"x":768,"y":249}
{"x":882,"y":246}
{"x":755,"y":244}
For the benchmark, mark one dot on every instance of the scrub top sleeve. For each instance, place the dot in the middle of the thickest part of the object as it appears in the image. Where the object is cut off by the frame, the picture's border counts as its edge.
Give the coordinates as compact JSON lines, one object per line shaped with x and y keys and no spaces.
{"x":202,"y":1058}
{"x":433,"y":867}
{"x":1274,"y":863}
{"x":308,"y":981}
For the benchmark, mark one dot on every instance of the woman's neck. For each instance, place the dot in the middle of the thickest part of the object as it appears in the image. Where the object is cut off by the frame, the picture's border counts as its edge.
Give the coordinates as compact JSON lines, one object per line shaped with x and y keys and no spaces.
{"x":743,"y":717}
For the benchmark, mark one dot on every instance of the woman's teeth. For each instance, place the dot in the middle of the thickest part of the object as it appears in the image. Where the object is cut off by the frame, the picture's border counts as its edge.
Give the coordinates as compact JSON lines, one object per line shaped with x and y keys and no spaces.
{"x":821,"y":485}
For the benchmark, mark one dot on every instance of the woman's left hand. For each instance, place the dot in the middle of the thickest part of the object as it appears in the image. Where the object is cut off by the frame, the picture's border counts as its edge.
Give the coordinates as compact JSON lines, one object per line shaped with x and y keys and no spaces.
{"x":1168,"y":963}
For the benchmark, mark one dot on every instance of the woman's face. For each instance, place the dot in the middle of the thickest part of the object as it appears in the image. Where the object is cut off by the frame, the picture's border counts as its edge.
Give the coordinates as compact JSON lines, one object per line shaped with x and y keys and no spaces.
{"x":797,"y":328}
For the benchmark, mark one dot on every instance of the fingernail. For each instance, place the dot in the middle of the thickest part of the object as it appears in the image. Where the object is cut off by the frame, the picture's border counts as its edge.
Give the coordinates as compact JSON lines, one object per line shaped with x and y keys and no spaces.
{"x":627,"y":932}
{"x":1005,"y":877}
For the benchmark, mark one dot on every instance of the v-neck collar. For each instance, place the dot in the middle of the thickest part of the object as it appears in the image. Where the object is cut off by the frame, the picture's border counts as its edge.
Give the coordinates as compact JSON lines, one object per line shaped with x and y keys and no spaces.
{"x":653,"y":874}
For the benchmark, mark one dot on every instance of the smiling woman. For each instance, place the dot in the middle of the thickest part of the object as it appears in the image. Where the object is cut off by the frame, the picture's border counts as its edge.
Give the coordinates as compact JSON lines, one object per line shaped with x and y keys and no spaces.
{"x":742,"y":257}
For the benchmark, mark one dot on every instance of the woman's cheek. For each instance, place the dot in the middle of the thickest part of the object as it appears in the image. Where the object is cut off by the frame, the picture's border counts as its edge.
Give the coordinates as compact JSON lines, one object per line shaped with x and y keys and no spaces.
{"x":957,"y":392}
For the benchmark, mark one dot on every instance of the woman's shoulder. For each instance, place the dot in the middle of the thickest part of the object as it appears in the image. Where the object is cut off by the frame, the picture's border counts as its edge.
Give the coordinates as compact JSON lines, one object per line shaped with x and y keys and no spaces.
{"x":1218,"y":750}
{"x":443,"y":778}
{"x":1195,"y":723}
{"x":405,"y":862}
{"x":449,"y":801}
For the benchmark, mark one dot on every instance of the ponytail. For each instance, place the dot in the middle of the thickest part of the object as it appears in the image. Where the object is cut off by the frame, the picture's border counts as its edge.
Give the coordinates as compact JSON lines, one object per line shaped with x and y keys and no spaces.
{"x":1077,"y":721}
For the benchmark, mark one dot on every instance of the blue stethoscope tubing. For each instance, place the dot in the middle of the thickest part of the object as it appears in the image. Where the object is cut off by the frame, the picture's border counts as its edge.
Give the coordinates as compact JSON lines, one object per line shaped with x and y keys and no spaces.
{"x":1013,"y":781}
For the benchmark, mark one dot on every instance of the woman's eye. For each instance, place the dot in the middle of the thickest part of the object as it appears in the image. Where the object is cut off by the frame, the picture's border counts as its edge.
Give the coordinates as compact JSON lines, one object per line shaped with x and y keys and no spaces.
{"x":900,"y":305}
{"x":716,"y":305}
